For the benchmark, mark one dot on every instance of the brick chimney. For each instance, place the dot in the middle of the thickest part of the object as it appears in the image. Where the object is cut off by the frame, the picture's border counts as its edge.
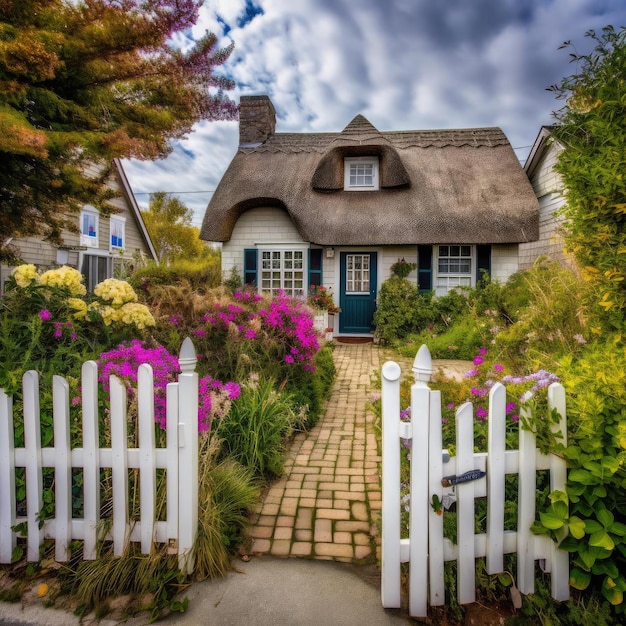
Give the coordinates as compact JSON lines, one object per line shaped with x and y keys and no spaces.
{"x":257,"y":119}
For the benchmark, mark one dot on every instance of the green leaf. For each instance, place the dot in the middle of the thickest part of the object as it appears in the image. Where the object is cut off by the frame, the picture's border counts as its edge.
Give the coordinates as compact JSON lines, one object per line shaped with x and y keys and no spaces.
{"x":611,"y":592}
{"x":617,"y":528}
{"x":607,"y":568}
{"x":551,"y":520}
{"x":576,"y":527}
{"x":582,"y":476}
{"x":605,"y":517}
{"x":602,"y":539}
{"x":593,"y":526}
{"x":579,"y":580}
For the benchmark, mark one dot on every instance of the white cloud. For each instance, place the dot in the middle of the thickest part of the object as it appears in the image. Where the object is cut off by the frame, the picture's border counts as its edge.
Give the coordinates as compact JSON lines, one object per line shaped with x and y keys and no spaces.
{"x":404,"y":64}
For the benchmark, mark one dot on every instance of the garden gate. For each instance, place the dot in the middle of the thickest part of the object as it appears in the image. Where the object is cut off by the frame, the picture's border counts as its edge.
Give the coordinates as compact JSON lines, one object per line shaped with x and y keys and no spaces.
{"x":426,"y":549}
{"x":179,"y":459}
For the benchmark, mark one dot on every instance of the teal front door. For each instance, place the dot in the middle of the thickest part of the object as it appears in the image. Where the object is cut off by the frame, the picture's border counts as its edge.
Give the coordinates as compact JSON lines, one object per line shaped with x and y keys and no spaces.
{"x":357,"y":292}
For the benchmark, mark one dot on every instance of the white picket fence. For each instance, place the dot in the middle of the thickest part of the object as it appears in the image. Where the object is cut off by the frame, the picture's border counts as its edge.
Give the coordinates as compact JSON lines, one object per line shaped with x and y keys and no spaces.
{"x":179,"y":459}
{"x":426,"y":550}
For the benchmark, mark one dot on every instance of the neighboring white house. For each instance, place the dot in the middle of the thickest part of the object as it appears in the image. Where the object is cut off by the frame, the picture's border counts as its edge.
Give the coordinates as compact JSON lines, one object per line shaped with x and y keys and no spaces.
{"x":104,"y":247}
{"x":548,"y":187}
{"x":295,"y":210}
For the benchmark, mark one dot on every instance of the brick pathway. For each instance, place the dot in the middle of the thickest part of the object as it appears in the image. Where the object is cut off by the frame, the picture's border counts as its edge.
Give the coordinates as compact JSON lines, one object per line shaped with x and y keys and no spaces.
{"x":327,"y":506}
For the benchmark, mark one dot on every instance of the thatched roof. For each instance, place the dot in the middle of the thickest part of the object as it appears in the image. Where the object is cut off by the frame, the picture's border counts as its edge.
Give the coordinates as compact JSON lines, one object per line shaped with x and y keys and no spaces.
{"x":437,"y":186}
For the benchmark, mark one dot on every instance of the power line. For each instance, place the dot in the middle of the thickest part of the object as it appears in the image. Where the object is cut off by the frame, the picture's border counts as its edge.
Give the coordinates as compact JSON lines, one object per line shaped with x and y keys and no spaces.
{"x":147,"y":193}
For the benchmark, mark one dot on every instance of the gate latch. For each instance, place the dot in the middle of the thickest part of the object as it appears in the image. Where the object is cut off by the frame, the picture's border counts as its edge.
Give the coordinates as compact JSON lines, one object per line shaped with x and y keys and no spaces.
{"x":448,"y":481}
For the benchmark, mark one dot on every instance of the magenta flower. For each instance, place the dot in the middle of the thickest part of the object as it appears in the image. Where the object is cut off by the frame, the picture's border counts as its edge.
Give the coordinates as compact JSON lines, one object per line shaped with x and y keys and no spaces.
{"x":478,"y":360}
{"x":45,"y":315}
{"x":498,"y":367}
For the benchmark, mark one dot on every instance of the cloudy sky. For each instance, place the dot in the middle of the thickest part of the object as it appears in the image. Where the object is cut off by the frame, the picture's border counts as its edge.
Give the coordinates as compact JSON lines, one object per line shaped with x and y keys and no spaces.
{"x":403,"y":64}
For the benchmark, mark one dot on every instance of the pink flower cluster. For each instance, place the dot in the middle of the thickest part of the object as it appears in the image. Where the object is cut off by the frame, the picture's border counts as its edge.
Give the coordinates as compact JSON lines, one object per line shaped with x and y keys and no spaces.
{"x":124,"y":362}
{"x":291,"y":318}
{"x":283,"y":321}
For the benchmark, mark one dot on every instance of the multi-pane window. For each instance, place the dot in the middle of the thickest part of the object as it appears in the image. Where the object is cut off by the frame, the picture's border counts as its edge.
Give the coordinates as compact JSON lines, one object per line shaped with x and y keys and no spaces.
{"x":361,"y":174}
{"x":283,"y":270}
{"x":89,"y":227}
{"x":117,"y":232}
{"x":454,"y":268}
{"x":357,"y":273}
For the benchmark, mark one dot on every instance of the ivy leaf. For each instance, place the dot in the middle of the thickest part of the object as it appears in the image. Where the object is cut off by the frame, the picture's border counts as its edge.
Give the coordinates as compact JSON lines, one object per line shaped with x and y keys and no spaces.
{"x":611,"y":592}
{"x":576,"y":527}
{"x":602,"y":539}
{"x":579,"y":580}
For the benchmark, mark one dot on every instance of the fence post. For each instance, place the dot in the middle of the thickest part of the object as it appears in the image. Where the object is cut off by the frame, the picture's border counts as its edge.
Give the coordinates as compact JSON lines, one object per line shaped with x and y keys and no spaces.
{"x":390,"y":399}
{"x":8,"y":539}
{"x":188,"y":458}
{"x":420,"y":501}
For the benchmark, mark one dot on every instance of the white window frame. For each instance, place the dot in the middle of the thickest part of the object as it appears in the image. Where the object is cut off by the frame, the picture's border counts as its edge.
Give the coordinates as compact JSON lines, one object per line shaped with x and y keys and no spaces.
{"x":348,"y":280}
{"x":277,"y":254}
{"x":91,"y":241}
{"x":446,"y":281}
{"x":120,"y":222}
{"x":354,"y":162}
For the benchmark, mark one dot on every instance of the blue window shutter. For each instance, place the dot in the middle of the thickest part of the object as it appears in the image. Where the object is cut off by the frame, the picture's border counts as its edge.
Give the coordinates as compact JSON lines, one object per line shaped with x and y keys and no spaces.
{"x":315,"y":267}
{"x":483,"y":263}
{"x":250,"y":262}
{"x":425,"y":268}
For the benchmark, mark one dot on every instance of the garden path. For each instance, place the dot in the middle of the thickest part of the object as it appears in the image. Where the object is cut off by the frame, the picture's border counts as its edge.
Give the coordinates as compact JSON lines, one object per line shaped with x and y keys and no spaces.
{"x":327,"y":506}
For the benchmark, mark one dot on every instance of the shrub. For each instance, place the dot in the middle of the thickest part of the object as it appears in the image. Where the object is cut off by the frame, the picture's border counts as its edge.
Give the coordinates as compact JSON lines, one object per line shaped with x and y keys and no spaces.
{"x":400,"y":309}
{"x":201,"y":275}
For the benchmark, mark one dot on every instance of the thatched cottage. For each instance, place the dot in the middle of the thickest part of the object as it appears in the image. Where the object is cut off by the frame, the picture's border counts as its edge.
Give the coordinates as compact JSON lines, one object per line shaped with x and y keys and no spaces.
{"x":295,"y":210}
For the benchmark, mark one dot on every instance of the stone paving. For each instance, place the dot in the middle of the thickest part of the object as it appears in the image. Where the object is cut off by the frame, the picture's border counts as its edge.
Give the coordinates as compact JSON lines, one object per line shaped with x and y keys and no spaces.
{"x":327,"y":505}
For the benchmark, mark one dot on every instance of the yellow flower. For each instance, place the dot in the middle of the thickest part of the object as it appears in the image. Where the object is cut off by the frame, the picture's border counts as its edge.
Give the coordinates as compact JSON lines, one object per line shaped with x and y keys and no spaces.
{"x":79,"y":306}
{"x":137,"y":314}
{"x":115,"y":292}
{"x":66,"y":278}
{"x":25,"y":275}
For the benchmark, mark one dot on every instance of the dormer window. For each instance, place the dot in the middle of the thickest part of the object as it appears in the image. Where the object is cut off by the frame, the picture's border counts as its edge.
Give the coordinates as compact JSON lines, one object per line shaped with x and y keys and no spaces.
{"x":361,"y":174}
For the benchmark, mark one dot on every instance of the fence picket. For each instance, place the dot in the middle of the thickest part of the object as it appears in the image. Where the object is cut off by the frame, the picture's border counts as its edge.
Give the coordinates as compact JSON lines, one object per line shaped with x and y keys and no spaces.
{"x":91,"y":460}
{"x":62,"y":469}
{"x":390,"y":399}
{"x":147,"y":475}
{"x":526,"y":509}
{"x":466,"y":567}
{"x":172,"y":460}
{"x":8,"y":540}
{"x":426,"y":494}
{"x":496,"y":459}
{"x":437,"y":595}
{"x":559,"y":580}
{"x":119,"y":464}
{"x":33,"y":464}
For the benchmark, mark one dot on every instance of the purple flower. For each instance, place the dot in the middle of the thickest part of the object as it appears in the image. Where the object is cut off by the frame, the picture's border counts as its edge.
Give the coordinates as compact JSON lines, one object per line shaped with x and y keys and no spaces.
{"x":482,"y":351}
{"x":471,"y":373}
{"x":481,"y":412}
{"x":498,"y":367}
{"x":478,"y":360}
{"x":450,"y":405}
{"x":45,"y":315}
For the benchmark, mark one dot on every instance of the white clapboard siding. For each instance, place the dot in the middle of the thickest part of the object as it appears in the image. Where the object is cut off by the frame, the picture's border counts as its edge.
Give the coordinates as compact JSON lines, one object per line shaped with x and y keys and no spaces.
{"x":179,"y":459}
{"x":426,"y":550}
